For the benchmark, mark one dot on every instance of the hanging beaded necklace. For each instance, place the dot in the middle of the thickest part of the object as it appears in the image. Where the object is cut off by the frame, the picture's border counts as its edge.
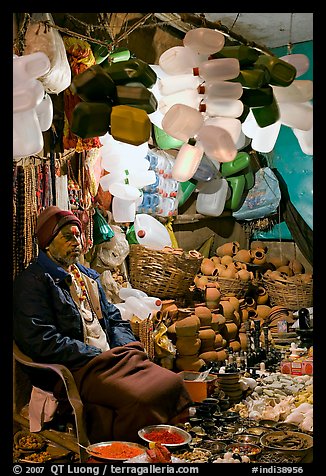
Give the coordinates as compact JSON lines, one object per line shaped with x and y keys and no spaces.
{"x":82,"y":291}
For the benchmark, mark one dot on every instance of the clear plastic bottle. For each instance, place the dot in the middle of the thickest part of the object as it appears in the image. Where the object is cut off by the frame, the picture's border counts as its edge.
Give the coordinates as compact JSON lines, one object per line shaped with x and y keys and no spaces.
{"x":211,"y":197}
{"x":178,"y":60}
{"x":297,"y":115}
{"x":298,"y":91}
{"x":204,"y":40}
{"x":231,"y":124}
{"x":218,"y":69}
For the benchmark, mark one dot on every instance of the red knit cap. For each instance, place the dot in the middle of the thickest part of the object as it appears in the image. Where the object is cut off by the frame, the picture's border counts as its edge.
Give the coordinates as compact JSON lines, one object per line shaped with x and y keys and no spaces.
{"x":49,"y":223}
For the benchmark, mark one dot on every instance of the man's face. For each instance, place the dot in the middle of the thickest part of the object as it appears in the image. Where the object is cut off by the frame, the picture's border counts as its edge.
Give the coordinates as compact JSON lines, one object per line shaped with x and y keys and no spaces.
{"x":66,"y":247}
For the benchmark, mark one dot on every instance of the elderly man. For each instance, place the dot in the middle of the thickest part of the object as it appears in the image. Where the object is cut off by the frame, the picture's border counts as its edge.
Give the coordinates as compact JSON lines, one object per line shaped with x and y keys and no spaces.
{"x":61,"y":315}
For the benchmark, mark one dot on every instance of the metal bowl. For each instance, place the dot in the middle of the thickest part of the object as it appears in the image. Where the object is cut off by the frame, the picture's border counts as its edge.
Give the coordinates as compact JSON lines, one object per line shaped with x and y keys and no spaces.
{"x":169,"y":428}
{"x":93,"y":450}
{"x":269,"y":443}
{"x":247,"y":439}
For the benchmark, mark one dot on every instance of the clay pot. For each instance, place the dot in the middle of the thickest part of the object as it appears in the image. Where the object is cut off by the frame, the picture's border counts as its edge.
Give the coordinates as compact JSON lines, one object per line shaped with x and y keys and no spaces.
{"x":212,"y":292}
{"x":207,"y":267}
{"x":184,"y":312}
{"x":258,"y":256}
{"x":243,"y":341}
{"x":216,"y":260}
{"x":230,"y":249}
{"x":222,"y":355}
{"x":278,"y":261}
{"x":207,"y":337}
{"x":204,"y":314}
{"x":237,"y":318}
{"x":258,"y":244}
{"x":218,"y":343}
{"x":250,"y":302}
{"x":189,"y":362}
{"x":285,"y":270}
{"x":201,"y":282}
{"x":235,"y":301}
{"x":189,"y":326}
{"x":296,"y":266}
{"x":262,"y":295}
{"x":227,"y":309}
{"x":209,"y":356}
{"x":235,"y":345}
{"x":243,"y":255}
{"x":245,"y":275}
{"x":188,"y":345}
{"x":232,"y":330}
{"x":229,"y":273}
{"x":263,"y":311}
{"x":226,"y":260}
{"x":169,"y":307}
{"x":218,"y":320}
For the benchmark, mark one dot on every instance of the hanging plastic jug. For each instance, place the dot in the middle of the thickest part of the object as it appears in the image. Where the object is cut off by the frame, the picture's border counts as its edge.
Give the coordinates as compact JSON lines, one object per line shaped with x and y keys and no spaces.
{"x":244,"y":54}
{"x":187,"y":161}
{"x":204,"y":40}
{"x":297,"y":115}
{"x":154,"y":303}
{"x":26,"y":140}
{"x":220,"y":90}
{"x":175,"y":83}
{"x":265,"y":138}
{"x":253,"y":78}
{"x":217,"y":143}
{"x":212,"y":197}
{"x":150,"y":232}
{"x":182,"y":122}
{"x":44,"y":112}
{"x":136,"y":96}
{"x":222,"y":107}
{"x":237,"y":184}
{"x":266,"y":115}
{"x":32,"y":66}
{"x":298,"y":91}
{"x":164,"y":140}
{"x":231,"y":124}
{"x":305,"y":140}
{"x":258,"y":97}
{"x":129,"y":124}
{"x":134,"y":69}
{"x":188,"y":97}
{"x":218,"y":69}
{"x":124,"y":191}
{"x":281,"y":73}
{"x":241,"y":161}
{"x":178,"y":60}
{"x":90,"y":119}
{"x":299,"y":61}
{"x":123,"y":211}
{"x":185,"y":191}
{"x":94,"y":85}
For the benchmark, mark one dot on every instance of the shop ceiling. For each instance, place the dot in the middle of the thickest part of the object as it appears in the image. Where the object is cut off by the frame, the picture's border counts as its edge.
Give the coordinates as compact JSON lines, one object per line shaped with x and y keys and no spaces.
{"x":265,"y":30}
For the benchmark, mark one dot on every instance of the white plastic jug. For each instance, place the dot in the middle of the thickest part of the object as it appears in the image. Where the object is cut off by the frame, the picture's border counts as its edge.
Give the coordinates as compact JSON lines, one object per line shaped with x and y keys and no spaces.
{"x":138,"y":307}
{"x":204,"y":40}
{"x":123,"y":211}
{"x":182,"y":122}
{"x":44,"y":112}
{"x":175,"y":83}
{"x":150,"y":232}
{"x":217,"y":143}
{"x":212,"y":197}
{"x":124,"y":293}
{"x":27,"y":134}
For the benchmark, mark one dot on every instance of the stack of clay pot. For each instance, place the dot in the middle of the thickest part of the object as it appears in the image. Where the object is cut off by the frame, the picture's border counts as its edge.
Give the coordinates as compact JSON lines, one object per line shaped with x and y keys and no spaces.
{"x":229,"y":383}
{"x":187,"y":342}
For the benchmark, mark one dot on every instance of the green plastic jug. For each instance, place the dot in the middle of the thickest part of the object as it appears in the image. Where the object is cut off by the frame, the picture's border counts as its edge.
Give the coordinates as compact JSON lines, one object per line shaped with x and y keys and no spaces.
{"x":90,"y":119}
{"x":134,"y":69}
{"x":94,"y":85}
{"x":136,"y":95}
{"x":257,"y":97}
{"x":266,"y":115}
{"x":245,"y":54}
{"x":281,"y":73}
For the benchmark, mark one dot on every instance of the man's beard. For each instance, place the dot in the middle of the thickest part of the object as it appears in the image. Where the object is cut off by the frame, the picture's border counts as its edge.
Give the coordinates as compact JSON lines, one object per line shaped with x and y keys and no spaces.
{"x":65,"y":261}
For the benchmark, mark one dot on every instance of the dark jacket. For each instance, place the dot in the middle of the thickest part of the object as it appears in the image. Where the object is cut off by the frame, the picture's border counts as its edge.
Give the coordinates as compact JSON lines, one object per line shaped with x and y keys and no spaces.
{"x":47,"y":324}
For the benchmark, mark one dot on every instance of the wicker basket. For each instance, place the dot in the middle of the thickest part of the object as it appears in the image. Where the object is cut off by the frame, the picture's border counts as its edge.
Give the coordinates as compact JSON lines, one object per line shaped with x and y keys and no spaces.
{"x":162,"y":274}
{"x":293,"y":296}
{"x":236,"y":287}
{"x":143,"y":331}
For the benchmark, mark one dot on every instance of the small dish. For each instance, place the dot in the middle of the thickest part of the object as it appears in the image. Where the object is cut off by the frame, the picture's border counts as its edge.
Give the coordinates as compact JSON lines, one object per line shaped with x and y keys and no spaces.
{"x":167,"y":431}
{"x":97,"y":450}
{"x":247,"y":439}
{"x":244,"y":449}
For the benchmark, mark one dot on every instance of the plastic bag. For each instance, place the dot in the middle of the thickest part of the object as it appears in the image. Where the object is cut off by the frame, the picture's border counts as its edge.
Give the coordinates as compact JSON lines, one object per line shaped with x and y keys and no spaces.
{"x":262,"y":199}
{"x":40,"y":37}
{"x":111,"y":254}
{"x":162,"y":344}
{"x":101,"y":229}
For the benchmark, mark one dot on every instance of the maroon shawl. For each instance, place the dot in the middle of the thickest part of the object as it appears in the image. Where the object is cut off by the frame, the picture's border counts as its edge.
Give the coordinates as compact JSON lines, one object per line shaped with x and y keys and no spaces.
{"x":123,"y":391}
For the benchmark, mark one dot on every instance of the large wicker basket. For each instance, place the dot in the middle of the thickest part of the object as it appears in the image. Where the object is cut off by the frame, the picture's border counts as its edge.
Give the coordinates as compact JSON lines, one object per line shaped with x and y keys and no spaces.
{"x":236,"y":287}
{"x":293,"y":296}
{"x":162,"y":274}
